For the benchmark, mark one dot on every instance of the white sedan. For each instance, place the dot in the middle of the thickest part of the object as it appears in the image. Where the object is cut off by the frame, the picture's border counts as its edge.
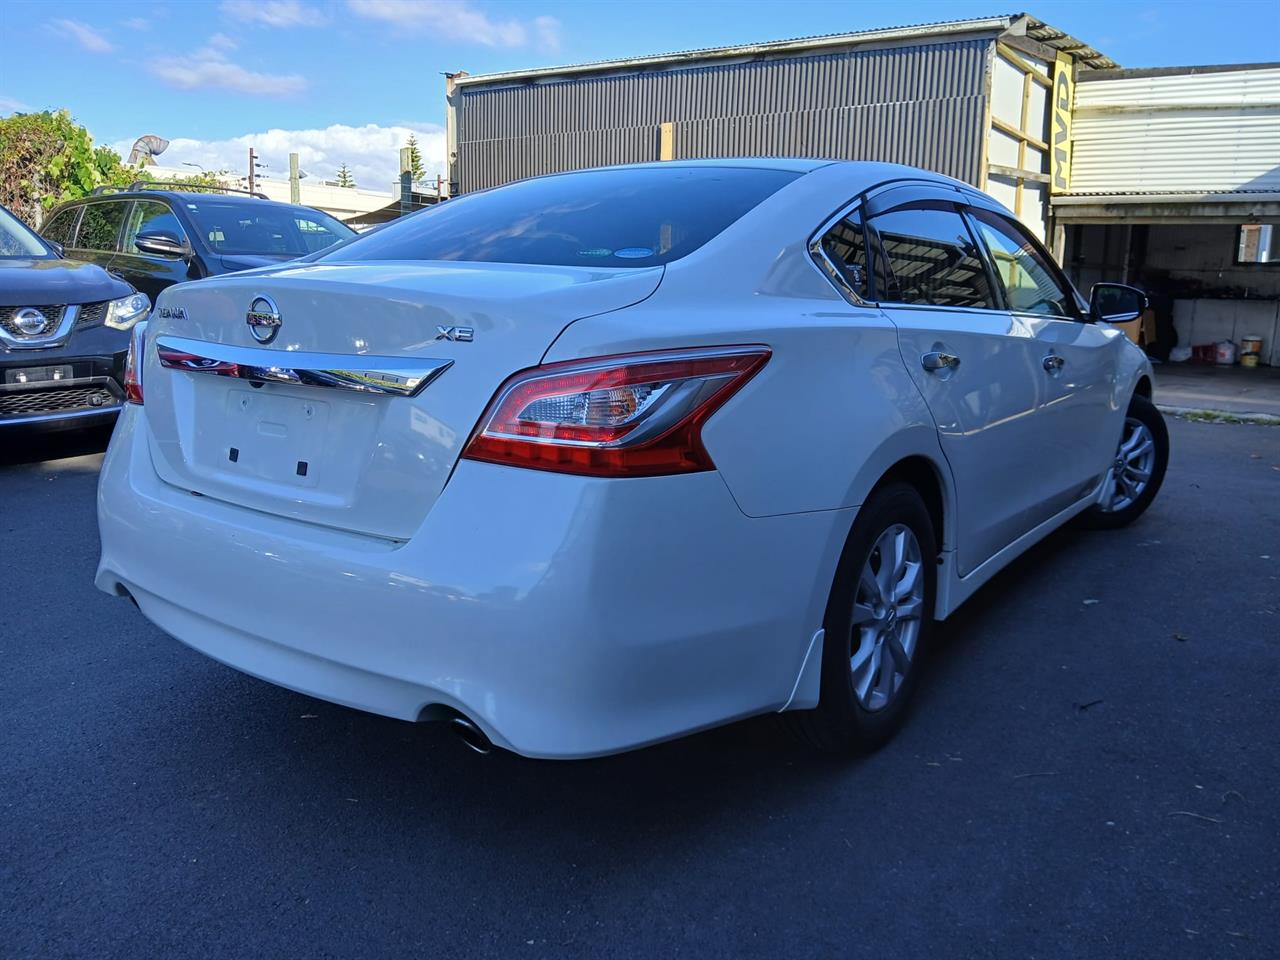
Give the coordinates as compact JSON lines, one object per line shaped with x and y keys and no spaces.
{"x":599,"y":459}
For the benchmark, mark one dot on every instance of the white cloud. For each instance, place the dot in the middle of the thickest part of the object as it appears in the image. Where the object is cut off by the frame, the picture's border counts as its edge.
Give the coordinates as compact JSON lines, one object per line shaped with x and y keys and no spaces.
{"x":84,"y":35}
{"x":459,"y":20}
{"x":210,"y":68}
{"x":274,"y":13}
{"x":137,"y":23}
{"x":547,"y":30}
{"x":372,"y":152}
{"x":10,"y":105}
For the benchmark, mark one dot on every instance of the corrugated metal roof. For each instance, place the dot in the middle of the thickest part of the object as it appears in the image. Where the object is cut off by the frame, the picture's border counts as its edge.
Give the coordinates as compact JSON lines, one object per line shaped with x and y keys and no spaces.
{"x":1016,"y":24}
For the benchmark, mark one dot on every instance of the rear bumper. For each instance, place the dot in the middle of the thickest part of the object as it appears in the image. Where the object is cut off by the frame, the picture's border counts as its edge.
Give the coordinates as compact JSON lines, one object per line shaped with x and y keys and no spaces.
{"x":566,"y":616}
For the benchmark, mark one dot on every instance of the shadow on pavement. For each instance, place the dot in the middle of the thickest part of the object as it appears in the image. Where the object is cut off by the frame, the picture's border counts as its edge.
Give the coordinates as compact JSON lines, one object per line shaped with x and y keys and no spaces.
{"x":28,"y":446}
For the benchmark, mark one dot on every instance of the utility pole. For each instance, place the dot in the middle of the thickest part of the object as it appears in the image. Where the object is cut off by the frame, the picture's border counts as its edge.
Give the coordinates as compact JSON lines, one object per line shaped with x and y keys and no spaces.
{"x":295,"y":184}
{"x":406,"y":183}
{"x":253,"y":162}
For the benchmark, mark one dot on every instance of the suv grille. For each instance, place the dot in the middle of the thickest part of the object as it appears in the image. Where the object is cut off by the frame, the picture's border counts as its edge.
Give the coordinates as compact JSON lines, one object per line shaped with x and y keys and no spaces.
{"x":92,"y":313}
{"x":52,"y":317}
{"x":56,"y":400}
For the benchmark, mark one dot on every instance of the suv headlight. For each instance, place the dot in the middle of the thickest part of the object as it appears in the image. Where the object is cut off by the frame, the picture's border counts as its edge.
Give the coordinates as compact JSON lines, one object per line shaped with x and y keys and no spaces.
{"x":125,"y":312}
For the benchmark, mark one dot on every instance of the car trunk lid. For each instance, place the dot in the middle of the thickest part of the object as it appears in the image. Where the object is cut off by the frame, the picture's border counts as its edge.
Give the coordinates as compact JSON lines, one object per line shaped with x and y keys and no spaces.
{"x":353,"y":414}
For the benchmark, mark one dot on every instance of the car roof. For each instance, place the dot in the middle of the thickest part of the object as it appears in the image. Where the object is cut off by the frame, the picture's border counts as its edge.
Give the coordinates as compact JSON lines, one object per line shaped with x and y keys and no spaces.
{"x":184,"y":196}
{"x":864,"y":172}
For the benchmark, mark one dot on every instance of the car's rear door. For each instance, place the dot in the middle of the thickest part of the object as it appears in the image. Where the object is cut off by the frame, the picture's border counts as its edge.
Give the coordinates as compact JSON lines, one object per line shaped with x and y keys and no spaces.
{"x":98,"y":239}
{"x":976,"y":366}
{"x":1078,"y":361}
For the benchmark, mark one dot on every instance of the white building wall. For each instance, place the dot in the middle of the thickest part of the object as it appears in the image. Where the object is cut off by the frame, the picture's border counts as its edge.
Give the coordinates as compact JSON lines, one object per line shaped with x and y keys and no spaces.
{"x":340,"y":202}
{"x":1180,"y":133}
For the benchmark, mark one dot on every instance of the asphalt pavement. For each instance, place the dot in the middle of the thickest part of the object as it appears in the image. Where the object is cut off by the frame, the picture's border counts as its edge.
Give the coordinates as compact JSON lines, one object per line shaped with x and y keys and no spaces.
{"x":1091,"y":770}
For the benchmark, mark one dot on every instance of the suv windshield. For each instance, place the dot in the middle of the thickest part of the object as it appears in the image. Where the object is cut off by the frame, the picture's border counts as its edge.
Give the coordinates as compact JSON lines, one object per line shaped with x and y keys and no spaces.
{"x":636,"y":217}
{"x":233,"y":227}
{"x":17,"y":239}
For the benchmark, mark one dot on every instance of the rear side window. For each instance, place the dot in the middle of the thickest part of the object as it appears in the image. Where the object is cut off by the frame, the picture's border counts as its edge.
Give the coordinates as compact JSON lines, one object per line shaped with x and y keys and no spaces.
{"x":1031,"y":285}
{"x":100,"y":225}
{"x":61,"y":229}
{"x":931,"y":259}
{"x":845,"y":245}
{"x":635,"y":217}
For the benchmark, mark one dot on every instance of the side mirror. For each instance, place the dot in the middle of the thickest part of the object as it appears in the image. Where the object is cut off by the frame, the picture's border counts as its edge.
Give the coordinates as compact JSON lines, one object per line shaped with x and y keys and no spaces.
{"x":1116,"y":302}
{"x":57,"y":248}
{"x":161,"y":244}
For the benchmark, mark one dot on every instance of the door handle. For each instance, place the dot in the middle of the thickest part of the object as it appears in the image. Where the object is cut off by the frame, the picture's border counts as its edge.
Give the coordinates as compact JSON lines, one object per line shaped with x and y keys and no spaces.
{"x":935,"y":361}
{"x":1053,"y":363}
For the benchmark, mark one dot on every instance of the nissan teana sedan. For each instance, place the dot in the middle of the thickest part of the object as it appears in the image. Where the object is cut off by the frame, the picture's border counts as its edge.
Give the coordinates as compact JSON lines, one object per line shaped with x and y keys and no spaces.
{"x":599,"y":459}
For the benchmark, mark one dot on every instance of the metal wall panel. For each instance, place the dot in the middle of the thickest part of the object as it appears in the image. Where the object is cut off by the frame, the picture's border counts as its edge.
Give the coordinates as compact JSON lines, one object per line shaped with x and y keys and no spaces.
{"x":921,"y":104}
{"x":1183,"y":133}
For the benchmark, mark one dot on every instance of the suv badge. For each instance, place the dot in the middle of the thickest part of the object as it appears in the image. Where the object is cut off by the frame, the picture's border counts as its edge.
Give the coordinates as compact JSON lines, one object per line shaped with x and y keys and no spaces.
{"x":457,"y":334}
{"x":263,"y":319}
{"x":30,"y":321}
{"x":173,"y":313}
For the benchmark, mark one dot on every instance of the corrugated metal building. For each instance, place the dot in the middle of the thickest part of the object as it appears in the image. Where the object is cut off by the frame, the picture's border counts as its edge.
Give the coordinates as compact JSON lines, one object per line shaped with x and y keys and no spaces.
{"x":1175,"y":186}
{"x":967,"y":98}
{"x":1169,"y":178}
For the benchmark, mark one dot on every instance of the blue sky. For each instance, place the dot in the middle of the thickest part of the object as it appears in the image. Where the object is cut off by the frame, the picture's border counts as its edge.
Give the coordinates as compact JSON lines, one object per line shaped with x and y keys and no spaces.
{"x":346,"y":80}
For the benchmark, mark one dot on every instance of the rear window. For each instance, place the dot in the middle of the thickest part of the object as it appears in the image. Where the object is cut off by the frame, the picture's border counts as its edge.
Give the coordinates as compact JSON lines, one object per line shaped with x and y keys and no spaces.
{"x":615,"y":218}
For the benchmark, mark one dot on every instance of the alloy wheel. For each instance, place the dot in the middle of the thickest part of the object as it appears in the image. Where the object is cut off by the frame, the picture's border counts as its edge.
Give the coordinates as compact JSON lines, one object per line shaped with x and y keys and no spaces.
{"x":1132,"y":468}
{"x":887,"y":607}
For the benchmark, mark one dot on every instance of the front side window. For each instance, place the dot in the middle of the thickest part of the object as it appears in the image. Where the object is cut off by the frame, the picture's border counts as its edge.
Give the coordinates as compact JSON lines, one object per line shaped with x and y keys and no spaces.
{"x":263,"y":229}
{"x":100,"y":225}
{"x":17,"y":239}
{"x":1030,"y":283}
{"x":930,"y":259}
{"x":845,"y":245}
{"x":315,"y":233}
{"x":151,"y":216}
{"x":61,"y":229}
{"x":637,"y":217}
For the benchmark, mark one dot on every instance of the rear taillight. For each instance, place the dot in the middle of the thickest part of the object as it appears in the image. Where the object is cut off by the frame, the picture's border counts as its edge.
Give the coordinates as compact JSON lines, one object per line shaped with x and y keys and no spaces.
{"x":133,"y":363}
{"x":638,"y":415}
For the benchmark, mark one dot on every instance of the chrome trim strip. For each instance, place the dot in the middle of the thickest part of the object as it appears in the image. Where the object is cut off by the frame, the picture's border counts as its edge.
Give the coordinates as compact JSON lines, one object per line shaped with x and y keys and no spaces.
{"x":391,"y":376}
{"x":55,"y":339}
{"x":10,"y":420}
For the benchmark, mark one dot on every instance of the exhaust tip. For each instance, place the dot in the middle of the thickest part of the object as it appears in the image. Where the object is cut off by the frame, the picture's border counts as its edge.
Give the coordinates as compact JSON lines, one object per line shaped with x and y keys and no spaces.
{"x":471,"y":735}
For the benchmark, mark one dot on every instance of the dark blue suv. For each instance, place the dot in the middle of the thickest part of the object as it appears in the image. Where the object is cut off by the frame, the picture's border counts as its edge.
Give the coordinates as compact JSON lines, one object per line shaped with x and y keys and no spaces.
{"x":154,"y":238}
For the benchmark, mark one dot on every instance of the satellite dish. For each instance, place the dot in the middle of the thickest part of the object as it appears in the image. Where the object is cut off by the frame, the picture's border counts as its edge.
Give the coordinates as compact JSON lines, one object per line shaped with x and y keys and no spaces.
{"x":146,"y":149}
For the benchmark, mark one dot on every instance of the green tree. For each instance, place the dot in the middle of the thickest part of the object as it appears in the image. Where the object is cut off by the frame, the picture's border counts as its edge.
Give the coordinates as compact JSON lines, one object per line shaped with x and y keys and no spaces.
{"x":345,"y":179}
{"x":47,"y":158}
{"x":204,"y":180}
{"x":416,"y":169}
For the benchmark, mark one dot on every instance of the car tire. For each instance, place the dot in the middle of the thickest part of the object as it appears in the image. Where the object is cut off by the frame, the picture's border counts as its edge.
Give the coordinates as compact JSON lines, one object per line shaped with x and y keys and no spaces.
{"x":860,"y":708}
{"x":1135,"y":475}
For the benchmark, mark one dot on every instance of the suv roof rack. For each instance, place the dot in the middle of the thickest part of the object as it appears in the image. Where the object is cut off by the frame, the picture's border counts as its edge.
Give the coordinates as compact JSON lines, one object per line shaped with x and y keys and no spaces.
{"x":139,"y":185}
{"x":203,"y":187}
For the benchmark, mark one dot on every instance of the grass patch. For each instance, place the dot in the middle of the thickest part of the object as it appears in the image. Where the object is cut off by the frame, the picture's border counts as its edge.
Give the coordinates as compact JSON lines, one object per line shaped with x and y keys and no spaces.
{"x":1219,"y":416}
